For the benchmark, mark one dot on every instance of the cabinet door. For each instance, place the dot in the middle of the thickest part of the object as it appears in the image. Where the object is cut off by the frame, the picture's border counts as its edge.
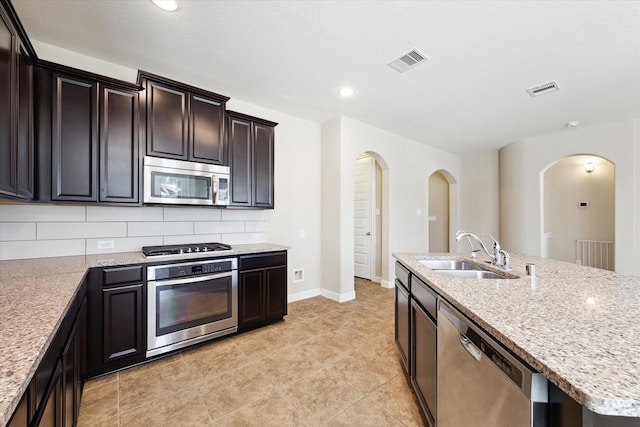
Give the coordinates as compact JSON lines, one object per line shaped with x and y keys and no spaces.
{"x":275,"y":293}
{"x":122,"y":322}
{"x":70,"y":374}
{"x":50,"y":414}
{"x":20,"y":417}
{"x":251,"y":298}
{"x":167,"y":122}
{"x":263,"y":166}
{"x":7,"y":108}
{"x":240,"y":146}
{"x":402,"y":324}
{"x":24,"y":163}
{"x":423,"y":359}
{"x":206,"y":131}
{"x":119,"y":161}
{"x":74,"y":156}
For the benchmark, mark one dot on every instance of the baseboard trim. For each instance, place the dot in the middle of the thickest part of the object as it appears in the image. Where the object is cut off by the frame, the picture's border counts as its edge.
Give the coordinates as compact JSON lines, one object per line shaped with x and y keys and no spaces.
{"x":387,"y":284}
{"x":303,"y":295}
{"x":344,"y":297}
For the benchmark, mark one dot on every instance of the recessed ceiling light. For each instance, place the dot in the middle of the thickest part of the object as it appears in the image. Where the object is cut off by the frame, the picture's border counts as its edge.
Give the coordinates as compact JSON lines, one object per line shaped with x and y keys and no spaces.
{"x":168,"y":5}
{"x":572,"y":124}
{"x":346,"y":92}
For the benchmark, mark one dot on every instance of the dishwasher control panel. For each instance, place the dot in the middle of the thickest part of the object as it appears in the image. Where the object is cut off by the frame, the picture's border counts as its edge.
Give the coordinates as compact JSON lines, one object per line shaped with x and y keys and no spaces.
{"x":509,"y":369}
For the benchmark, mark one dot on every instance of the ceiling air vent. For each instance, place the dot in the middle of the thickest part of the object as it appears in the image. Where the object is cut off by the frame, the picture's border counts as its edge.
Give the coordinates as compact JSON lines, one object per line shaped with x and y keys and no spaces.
{"x":544,"y":88}
{"x":408,"y":61}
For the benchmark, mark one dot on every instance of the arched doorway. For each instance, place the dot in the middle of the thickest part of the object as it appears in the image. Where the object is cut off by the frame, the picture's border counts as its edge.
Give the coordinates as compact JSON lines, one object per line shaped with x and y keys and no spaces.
{"x":368,"y":217}
{"x":579,"y":211}
{"x":442,"y":211}
{"x":438,"y":213}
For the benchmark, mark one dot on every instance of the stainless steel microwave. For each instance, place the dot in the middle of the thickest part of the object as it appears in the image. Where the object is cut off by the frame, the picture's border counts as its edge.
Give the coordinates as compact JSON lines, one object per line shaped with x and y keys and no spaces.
{"x":176,"y":182}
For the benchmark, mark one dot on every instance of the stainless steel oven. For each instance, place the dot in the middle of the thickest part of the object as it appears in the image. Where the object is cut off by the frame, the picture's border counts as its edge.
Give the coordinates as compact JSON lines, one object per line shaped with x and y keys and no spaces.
{"x":190,"y":302}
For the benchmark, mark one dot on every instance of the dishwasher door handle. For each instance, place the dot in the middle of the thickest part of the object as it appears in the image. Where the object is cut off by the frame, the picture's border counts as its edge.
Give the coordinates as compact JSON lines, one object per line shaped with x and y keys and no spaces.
{"x":469,"y":346}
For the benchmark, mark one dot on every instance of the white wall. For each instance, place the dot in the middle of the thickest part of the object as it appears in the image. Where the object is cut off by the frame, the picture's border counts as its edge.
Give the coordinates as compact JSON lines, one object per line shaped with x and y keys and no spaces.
{"x":406,"y":166}
{"x":480,"y":199}
{"x":297,"y":200}
{"x":522,"y":163}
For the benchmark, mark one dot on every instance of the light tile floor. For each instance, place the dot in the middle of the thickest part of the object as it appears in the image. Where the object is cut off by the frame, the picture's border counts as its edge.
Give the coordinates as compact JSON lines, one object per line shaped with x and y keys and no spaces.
{"x":327,"y":364}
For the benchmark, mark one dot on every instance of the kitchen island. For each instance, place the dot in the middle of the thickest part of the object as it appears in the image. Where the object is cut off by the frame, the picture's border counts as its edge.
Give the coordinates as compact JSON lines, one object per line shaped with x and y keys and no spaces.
{"x":578,"y":326}
{"x":35,"y":297}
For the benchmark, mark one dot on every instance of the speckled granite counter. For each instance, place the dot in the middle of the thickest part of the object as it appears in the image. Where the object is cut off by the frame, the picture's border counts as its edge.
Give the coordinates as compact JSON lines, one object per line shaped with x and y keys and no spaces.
{"x":578,"y":326}
{"x":34,"y":298}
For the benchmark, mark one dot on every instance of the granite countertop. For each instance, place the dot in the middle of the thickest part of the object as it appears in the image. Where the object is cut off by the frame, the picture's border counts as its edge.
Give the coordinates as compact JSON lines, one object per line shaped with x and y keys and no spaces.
{"x":578,"y":326}
{"x":34,"y":298}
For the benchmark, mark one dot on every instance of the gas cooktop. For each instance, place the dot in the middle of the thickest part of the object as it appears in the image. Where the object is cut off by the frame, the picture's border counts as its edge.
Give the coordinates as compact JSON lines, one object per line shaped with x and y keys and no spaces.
{"x":184,"y":249}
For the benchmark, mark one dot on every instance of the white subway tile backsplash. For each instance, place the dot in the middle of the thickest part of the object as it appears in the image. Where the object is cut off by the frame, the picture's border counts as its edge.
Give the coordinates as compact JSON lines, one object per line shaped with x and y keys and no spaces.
{"x":243,"y":238}
{"x":80,"y":230}
{"x":191,"y":238}
{"x":255,"y":226}
{"x":244,"y":215}
{"x":126,"y":244}
{"x":35,"y":213}
{"x":218,"y":227}
{"x":191,"y":214}
{"x":17,"y":231}
{"x":40,"y":249}
{"x":33,"y":230}
{"x":159,"y":228}
{"x":115,"y":213}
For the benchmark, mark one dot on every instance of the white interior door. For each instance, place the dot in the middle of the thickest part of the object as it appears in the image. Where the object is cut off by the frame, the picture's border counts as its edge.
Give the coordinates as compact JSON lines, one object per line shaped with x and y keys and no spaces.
{"x":363,"y":217}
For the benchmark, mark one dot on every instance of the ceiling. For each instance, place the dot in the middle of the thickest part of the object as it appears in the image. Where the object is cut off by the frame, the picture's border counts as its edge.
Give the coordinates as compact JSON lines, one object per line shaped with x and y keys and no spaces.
{"x":293,"y":56}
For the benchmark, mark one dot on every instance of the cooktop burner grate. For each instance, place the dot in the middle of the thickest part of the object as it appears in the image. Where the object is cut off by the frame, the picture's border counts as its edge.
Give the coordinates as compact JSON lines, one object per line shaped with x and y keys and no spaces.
{"x":184,"y":249}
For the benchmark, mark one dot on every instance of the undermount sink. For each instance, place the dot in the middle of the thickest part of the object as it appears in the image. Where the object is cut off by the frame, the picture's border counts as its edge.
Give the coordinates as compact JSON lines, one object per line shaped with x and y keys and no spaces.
{"x":461,"y":269}
{"x":448,"y":264}
{"x":470,"y":274}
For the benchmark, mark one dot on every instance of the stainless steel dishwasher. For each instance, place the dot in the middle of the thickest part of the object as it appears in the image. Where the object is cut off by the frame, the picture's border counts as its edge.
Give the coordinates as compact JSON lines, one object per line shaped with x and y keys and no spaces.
{"x":480,"y":383}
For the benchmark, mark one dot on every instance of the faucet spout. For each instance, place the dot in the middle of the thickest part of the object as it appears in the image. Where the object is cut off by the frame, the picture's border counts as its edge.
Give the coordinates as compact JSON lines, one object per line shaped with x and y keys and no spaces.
{"x":499,"y":257}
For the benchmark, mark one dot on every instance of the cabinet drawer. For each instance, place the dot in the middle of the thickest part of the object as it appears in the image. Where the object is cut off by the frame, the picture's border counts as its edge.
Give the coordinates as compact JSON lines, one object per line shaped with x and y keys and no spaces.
{"x":402,"y":273}
{"x":117,"y":275}
{"x":425,"y":296}
{"x":250,"y":262}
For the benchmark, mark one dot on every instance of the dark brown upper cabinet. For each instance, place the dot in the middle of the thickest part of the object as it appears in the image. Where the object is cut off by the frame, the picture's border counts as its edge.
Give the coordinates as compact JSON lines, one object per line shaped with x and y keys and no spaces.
{"x":16,"y":108}
{"x":74,"y":142}
{"x":119,"y":145}
{"x":183,"y":122}
{"x":251,"y":147}
{"x":90,"y":128}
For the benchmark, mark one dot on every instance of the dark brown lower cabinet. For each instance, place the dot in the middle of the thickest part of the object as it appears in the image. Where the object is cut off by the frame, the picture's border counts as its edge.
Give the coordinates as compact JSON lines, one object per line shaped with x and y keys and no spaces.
{"x":116,"y":307}
{"x":402,"y":324}
{"x":73,"y":356}
{"x":262,"y":289}
{"x":122,"y":327}
{"x":51,"y":411}
{"x":20,"y":417}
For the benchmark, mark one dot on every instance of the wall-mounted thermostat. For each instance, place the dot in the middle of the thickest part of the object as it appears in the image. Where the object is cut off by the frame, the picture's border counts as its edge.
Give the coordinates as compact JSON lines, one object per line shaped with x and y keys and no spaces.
{"x":583,"y":204}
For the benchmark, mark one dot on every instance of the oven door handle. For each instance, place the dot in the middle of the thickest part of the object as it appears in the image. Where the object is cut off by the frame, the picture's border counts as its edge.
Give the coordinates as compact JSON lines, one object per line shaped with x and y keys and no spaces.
{"x":191,"y":279}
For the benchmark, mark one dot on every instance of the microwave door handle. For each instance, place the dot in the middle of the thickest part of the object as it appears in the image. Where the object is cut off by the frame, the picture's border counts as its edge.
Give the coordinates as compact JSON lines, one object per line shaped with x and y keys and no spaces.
{"x":214,"y":189}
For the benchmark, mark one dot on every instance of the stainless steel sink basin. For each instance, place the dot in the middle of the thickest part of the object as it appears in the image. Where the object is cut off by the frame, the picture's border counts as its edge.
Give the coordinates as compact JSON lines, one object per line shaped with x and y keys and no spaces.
{"x":470,"y":274}
{"x":447,"y":264}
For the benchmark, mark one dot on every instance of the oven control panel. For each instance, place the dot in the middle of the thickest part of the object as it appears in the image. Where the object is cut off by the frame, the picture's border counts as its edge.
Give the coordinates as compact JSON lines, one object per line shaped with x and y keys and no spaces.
{"x":174,"y":271}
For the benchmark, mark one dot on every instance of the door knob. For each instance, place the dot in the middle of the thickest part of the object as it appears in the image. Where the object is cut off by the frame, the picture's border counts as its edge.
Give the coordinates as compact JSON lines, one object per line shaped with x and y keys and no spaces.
{"x":368,"y":233}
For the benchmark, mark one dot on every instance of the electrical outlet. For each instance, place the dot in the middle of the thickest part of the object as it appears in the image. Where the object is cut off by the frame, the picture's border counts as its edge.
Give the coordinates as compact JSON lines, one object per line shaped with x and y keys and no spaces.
{"x":106,"y":244}
{"x":255,"y":237}
{"x":303,"y":233}
{"x":298,"y":275}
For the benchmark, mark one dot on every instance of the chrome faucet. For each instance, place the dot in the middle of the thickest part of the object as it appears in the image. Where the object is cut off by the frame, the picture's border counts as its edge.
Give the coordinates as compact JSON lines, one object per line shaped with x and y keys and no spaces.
{"x":499,"y":257}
